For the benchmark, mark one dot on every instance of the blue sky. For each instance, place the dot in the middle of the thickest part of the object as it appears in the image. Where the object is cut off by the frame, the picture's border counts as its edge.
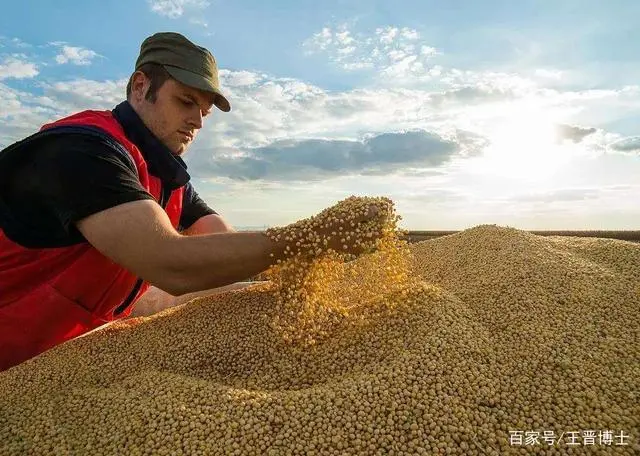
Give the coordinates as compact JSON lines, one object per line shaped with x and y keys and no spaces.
{"x":516,"y":113}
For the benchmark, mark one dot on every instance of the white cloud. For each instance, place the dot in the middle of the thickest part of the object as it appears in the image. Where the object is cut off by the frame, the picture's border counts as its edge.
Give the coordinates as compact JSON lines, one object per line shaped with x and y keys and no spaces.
{"x":387,"y":35}
{"x":391,"y":50}
{"x":344,"y":37}
{"x":456,"y":78}
{"x":268,"y":109}
{"x":175,"y":8}
{"x":573,"y":133}
{"x":13,"y":42}
{"x":17,"y":42}
{"x":629,"y":145}
{"x":17,"y":67}
{"x":318,"y":159}
{"x":239,"y":78}
{"x":199,"y":21}
{"x":75,"y":55}
{"x":409,"y":34}
{"x":82,"y":94}
{"x":428,"y":50}
{"x":549,"y":74}
{"x":398,"y":57}
{"x":23,"y":113}
{"x":355,"y":66}
{"x":319,"y":41}
{"x":347,"y":50}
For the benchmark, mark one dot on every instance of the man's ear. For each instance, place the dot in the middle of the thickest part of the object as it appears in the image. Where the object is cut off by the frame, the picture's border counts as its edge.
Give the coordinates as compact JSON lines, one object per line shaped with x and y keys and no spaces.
{"x":139,"y":86}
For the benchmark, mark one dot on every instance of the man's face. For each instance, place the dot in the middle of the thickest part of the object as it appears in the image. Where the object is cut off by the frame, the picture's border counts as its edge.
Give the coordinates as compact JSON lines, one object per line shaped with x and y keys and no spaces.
{"x":175,"y":117}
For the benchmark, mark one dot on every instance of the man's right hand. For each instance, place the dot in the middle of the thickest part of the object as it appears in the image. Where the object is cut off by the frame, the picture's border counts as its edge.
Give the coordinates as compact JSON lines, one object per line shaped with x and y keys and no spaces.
{"x":347,"y":232}
{"x":339,"y":231}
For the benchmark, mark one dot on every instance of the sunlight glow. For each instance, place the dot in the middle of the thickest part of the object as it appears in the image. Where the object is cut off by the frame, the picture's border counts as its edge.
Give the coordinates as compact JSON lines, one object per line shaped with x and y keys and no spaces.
{"x":524,"y":146}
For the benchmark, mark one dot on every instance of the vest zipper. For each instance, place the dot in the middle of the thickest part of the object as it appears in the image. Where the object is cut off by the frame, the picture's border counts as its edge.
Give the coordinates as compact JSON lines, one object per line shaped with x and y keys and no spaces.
{"x":165,"y":194}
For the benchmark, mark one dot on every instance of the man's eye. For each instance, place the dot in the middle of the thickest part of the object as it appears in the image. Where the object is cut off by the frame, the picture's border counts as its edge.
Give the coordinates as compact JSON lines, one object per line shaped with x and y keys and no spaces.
{"x":187,"y":102}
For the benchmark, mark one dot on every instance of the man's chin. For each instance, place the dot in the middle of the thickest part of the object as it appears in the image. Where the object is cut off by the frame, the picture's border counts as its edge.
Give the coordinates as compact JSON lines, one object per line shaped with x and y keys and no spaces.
{"x":181,"y":149}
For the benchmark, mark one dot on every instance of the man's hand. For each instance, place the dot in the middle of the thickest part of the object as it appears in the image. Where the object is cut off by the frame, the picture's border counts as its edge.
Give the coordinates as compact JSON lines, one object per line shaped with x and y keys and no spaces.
{"x":347,"y":227}
{"x":343,"y":234}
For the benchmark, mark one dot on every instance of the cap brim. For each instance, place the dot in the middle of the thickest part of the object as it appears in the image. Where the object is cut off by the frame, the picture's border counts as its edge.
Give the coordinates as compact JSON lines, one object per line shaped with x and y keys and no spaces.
{"x":199,"y":82}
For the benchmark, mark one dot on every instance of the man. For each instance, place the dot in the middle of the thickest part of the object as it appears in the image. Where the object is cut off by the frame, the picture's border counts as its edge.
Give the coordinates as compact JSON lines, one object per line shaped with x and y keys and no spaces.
{"x":97,"y":206}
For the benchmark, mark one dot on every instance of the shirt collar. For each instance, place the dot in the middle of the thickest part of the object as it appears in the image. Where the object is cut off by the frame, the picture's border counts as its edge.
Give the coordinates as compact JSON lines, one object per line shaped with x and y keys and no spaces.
{"x":170,"y":168}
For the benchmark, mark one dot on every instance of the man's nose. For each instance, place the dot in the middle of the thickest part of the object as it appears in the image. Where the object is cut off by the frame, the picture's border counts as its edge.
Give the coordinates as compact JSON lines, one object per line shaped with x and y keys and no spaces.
{"x":196,"y":120}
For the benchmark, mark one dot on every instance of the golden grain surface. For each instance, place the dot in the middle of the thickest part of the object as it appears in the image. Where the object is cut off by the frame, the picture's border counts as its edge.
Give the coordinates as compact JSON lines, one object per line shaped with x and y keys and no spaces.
{"x":496,"y":330}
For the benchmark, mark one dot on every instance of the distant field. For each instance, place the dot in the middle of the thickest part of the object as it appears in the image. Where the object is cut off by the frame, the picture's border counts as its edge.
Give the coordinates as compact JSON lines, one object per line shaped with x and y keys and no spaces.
{"x":417,"y":235}
{"x":630,"y":235}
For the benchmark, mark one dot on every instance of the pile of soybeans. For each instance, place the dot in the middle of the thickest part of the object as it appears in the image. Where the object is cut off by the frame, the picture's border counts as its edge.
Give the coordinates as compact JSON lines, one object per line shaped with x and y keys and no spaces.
{"x":491,"y":341}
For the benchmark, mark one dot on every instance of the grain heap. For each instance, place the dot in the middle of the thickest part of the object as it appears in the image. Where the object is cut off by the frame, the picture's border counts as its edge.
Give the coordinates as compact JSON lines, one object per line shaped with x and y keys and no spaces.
{"x":507,"y":332}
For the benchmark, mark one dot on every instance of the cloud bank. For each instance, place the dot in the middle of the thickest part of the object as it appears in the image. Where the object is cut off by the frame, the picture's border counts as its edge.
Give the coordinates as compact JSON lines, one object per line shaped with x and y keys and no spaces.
{"x":175,"y":8}
{"x":317,"y":159}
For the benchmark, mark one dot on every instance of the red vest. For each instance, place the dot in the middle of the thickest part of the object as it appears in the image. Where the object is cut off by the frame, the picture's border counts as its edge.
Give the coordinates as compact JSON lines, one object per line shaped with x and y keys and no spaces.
{"x":51,"y":295}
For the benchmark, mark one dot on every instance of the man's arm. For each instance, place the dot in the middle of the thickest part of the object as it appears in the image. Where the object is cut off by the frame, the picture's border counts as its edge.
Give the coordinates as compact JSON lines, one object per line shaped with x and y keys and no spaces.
{"x":156,"y":300}
{"x":209,"y":224}
{"x":139,"y":236}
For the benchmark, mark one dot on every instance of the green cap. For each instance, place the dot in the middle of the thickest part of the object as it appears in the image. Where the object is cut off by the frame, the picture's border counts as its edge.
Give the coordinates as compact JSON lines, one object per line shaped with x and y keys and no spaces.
{"x":186,"y":62}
